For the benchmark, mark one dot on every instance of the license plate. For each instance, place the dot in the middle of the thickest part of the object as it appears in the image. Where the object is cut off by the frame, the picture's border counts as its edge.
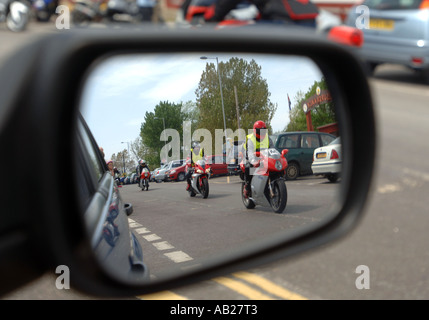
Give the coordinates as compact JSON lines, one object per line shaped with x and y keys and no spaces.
{"x":381,"y":24}
{"x":321,"y":155}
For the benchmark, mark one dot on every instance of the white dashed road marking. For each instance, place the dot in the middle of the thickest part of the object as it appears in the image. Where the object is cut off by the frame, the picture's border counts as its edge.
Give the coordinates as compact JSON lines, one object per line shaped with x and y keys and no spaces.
{"x":175,"y":256}
{"x":178,"y":256}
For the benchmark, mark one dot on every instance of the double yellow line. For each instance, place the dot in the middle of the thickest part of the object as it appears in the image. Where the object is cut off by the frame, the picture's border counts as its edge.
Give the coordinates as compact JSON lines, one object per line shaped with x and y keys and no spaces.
{"x":250,"y":285}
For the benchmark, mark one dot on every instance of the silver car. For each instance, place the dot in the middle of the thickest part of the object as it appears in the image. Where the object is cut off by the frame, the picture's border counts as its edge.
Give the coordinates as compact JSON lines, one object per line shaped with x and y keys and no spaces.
{"x":160,"y":174}
{"x":397,"y":33}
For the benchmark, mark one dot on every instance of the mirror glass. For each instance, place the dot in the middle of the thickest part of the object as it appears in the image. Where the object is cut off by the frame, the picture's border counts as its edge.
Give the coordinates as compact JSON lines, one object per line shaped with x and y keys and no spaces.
{"x":161,"y":108}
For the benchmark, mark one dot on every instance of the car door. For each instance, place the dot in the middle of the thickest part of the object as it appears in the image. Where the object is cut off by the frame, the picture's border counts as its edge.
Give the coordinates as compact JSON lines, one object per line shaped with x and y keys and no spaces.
{"x":309,"y":142}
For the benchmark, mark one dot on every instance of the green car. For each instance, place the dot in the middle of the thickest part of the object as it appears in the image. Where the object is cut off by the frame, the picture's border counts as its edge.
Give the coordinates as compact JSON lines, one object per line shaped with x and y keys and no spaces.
{"x":301,"y":146}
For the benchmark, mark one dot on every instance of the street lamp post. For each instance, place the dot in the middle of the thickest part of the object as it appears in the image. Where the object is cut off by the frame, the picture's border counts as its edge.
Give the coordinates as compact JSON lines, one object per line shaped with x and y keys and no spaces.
{"x":221,"y":93}
{"x":163,"y":123}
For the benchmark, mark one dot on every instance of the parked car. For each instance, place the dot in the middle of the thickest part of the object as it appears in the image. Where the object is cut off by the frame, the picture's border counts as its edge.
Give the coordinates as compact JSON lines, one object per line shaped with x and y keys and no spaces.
{"x":301,"y":146}
{"x":160,"y":175}
{"x":396,"y":32}
{"x":176,"y":174}
{"x":328,"y":160}
{"x":152,"y":174}
{"x":218,"y":165}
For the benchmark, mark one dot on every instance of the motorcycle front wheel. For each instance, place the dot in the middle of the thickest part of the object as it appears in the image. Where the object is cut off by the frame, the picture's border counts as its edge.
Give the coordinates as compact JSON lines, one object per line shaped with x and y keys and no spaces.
{"x":279,"y":200}
{"x":249,"y":204}
{"x":204,"y":187}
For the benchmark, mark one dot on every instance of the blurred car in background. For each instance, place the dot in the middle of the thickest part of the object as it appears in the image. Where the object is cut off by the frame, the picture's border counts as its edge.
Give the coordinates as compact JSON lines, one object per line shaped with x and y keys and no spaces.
{"x":160,"y":175}
{"x":176,"y":174}
{"x":152,"y":174}
{"x":397,"y":32}
{"x":218,"y":165}
{"x":327,"y":160}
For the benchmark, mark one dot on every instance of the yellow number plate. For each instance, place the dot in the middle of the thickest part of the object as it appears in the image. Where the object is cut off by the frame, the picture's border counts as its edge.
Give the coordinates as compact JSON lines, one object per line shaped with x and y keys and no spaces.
{"x":321,"y":155}
{"x":381,"y":24}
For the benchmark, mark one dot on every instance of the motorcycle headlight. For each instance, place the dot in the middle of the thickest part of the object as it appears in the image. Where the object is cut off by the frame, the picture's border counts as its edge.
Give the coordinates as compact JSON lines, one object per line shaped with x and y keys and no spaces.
{"x":208,"y":170}
{"x":278,"y":165}
{"x":199,"y":171}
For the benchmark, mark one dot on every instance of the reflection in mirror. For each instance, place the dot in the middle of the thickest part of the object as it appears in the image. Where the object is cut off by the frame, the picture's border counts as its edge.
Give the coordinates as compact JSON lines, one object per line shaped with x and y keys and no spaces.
{"x":200,"y":191}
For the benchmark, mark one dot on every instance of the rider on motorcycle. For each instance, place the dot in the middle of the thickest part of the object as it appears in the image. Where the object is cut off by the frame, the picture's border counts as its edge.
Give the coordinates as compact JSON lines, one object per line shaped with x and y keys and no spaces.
{"x":197,"y":153}
{"x":254,"y":143}
{"x":302,"y":12}
{"x":140,"y":167}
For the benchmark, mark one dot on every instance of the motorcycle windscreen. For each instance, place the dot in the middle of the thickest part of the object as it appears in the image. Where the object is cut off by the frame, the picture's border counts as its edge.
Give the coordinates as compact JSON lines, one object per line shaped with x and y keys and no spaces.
{"x":155,"y":106}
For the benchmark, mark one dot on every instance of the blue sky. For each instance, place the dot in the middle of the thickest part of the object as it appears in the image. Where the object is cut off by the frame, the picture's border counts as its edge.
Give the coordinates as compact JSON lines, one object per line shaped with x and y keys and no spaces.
{"x":120,"y":90}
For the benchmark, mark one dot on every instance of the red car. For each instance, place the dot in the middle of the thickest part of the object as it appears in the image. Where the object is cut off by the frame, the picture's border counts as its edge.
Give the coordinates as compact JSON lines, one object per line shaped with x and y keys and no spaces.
{"x":218,"y":165}
{"x":176,"y":174}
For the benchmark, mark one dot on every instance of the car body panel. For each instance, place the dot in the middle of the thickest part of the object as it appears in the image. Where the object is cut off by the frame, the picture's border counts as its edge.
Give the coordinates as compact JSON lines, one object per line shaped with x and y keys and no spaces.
{"x":176,"y":174}
{"x":218,"y":165}
{"x":105,"y":213}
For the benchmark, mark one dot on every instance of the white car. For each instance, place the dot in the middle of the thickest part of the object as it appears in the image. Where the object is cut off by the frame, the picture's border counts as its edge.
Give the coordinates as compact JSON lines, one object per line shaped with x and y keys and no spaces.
{"x":327,"y":160}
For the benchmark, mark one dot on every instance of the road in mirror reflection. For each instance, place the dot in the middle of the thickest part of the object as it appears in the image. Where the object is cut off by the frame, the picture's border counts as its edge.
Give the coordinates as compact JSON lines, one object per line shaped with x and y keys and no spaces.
{"x":152,"y":107}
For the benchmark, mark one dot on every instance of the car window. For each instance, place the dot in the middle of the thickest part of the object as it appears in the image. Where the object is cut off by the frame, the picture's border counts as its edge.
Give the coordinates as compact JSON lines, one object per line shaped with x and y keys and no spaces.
{"x":288,"y":141}
{"x":310,"y":141}
{"x":96,"y":168}
{"x":392,"y":4}
{"x":326,"y":139}
{"x":336,"y":141}
{"x":90,"y":169}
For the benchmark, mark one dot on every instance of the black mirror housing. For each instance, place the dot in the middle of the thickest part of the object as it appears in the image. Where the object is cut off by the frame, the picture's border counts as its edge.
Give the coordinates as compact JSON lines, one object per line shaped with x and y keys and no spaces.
{"x":39,"y":93}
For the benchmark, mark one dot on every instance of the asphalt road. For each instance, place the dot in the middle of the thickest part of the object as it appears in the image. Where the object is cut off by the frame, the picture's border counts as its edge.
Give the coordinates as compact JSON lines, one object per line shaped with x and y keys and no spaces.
{"x":179,"y":232}
{"x":391,"y":240}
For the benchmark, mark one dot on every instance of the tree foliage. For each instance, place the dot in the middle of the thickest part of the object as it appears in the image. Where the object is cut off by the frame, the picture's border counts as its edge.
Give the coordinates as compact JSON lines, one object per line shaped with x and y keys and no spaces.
{"x":253,"y":96}
{"x":123,"y":158}
{"x":152,"y":139}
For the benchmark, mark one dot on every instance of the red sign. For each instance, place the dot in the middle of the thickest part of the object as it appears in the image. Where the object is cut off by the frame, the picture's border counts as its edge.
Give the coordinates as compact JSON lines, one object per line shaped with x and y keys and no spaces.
{"x":312,"y":102}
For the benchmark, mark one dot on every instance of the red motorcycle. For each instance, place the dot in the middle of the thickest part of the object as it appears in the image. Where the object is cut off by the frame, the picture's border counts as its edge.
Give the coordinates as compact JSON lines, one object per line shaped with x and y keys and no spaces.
{"x":144,"y":179}
{"x":199,"y":180}
{"x":267,"y":187}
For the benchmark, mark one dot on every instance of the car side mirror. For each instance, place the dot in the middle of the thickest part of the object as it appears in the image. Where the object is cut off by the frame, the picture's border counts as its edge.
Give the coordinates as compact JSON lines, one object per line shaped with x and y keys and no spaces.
{"x":66,"y":221}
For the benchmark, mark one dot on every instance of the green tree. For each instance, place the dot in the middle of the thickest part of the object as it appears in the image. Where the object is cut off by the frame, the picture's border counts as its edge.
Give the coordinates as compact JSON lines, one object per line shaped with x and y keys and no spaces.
{"x":320,"y":115}
{"x":252,"y":94}
{"x":152,"y":139}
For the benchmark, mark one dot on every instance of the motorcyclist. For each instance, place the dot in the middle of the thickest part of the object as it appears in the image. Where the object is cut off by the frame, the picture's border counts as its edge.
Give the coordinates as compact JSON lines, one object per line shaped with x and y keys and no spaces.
{"x":255,"y":142}
{"x":142,"y":164}
{"x":196,"y":154}
{"x":302,"y":12}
